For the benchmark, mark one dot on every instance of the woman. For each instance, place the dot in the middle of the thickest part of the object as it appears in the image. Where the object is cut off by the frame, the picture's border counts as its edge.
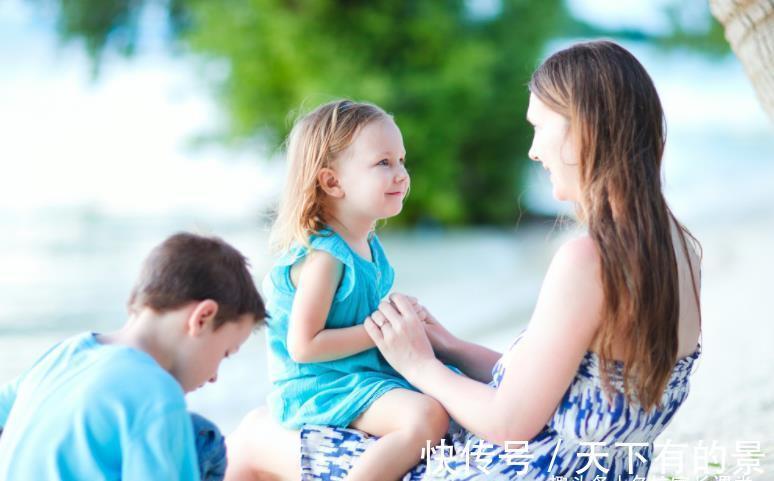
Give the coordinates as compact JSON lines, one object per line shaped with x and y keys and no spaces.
{"x":605,"y":361}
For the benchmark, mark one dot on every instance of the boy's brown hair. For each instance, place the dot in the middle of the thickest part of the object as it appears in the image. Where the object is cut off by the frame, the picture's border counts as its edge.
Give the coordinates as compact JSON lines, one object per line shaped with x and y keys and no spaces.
{"x":188,"y":267}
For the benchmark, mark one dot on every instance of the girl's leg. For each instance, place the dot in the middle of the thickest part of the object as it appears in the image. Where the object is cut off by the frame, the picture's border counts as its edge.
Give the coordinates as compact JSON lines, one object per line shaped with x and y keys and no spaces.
{"x":260,"y":449}
{"x":404,"y":420}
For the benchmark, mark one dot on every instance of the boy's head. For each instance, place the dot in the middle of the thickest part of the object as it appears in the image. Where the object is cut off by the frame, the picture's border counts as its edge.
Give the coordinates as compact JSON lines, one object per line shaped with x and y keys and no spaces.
{"x":204,"y":285}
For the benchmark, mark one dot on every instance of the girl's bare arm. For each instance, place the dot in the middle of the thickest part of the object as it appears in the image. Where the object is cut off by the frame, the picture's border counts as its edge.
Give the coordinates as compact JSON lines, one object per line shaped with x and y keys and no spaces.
{"x":308,"y":340}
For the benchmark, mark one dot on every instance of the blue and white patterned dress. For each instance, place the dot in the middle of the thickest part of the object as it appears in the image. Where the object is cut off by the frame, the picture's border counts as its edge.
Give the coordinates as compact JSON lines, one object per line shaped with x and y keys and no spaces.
{"x":581,"y":441}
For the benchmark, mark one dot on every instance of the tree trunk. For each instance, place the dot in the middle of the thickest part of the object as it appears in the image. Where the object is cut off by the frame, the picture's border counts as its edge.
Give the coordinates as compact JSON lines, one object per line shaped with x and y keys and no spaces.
{"x":749,"y":26}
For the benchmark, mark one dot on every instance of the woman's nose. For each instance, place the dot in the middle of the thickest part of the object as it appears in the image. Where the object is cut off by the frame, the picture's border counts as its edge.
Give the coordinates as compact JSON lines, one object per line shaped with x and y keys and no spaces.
{"x":532,"y":153}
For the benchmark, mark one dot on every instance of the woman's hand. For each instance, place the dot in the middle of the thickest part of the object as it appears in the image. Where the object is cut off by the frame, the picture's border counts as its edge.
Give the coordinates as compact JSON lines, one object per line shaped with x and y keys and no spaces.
{"x":400,"y":335}
{"x":441,"y":339}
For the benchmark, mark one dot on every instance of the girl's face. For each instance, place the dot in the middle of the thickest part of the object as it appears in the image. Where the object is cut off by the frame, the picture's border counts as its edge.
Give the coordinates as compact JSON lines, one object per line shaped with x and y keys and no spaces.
{"x":554,"y":148}
{"x":371,"y":172}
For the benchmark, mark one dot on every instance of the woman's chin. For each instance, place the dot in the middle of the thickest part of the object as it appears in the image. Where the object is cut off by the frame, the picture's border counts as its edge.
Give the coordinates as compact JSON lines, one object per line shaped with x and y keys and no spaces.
{"x":563,"y":195}
{"x":559,"y":195}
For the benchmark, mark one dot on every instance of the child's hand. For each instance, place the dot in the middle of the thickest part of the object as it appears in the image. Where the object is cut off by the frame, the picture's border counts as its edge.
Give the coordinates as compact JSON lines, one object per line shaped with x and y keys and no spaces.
{"x":440,"y":338}
{"x":421,"y":311}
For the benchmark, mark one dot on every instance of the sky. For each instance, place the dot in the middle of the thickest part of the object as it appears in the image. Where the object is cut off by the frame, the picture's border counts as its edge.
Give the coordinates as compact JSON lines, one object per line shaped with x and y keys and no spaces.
{"x":120,"y":144}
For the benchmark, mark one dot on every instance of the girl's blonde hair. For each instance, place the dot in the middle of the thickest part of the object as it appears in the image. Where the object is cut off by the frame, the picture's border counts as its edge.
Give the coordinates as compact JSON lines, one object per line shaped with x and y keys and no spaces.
{"x":315,"y":143}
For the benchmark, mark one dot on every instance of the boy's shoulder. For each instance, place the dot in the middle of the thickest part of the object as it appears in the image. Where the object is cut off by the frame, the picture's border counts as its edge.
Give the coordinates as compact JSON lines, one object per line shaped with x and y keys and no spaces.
{"x":135,"y":376}
{"x":114,"y":373}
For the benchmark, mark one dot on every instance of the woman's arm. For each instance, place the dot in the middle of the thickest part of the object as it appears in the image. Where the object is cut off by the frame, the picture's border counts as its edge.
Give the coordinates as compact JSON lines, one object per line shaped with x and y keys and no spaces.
{"x":308,"y":340}
{"x":474,"y":360}
{"x":538,"y":370}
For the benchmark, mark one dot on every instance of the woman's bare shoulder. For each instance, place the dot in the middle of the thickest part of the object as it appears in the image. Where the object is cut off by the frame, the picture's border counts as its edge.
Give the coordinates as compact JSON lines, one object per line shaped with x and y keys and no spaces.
{"x":573,"y":286}
{"x":579,"y":254}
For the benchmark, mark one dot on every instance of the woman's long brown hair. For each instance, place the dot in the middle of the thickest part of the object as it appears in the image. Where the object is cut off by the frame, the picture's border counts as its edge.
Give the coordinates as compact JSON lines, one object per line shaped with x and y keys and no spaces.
{"x":616,"y":120}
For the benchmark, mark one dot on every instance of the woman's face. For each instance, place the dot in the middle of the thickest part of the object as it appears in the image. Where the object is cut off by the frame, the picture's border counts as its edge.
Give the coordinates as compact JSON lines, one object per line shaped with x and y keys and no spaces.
{"x":554,"y":148}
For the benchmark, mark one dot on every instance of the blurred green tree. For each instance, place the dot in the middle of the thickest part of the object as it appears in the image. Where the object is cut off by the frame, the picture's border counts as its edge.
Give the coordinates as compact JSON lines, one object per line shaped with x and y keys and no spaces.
{"x":452,"y":72}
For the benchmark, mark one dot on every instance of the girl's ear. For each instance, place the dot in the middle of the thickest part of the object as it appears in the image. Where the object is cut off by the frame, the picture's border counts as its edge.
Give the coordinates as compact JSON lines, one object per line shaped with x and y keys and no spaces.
{"x":329,"y":182}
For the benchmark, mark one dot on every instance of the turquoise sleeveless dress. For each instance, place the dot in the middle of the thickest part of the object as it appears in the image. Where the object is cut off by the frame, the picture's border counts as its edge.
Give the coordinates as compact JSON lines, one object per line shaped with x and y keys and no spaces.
{"x":332,"y":393}
{"x":583,"y":423}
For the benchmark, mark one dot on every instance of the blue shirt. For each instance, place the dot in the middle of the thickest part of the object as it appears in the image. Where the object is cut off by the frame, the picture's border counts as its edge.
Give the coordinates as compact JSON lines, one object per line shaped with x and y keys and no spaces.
{"x":89,"y":411}
{"x":332,"y":392}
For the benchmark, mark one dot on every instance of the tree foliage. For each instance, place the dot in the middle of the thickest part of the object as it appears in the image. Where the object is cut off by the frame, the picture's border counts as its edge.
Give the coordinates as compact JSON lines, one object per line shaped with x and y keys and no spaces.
{"x":452,"y":72}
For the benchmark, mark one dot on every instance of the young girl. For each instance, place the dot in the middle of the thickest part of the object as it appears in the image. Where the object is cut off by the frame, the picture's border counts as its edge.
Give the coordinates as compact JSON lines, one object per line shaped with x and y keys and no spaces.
{"x":346,"y":172}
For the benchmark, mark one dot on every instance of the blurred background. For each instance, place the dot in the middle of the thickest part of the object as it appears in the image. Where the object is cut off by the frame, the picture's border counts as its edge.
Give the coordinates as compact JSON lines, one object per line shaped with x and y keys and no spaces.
{"x":125,"y":121}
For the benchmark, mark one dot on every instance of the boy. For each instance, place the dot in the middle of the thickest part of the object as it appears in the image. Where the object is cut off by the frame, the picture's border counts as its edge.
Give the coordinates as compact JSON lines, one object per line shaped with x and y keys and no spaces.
{"x":112,"y":406}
